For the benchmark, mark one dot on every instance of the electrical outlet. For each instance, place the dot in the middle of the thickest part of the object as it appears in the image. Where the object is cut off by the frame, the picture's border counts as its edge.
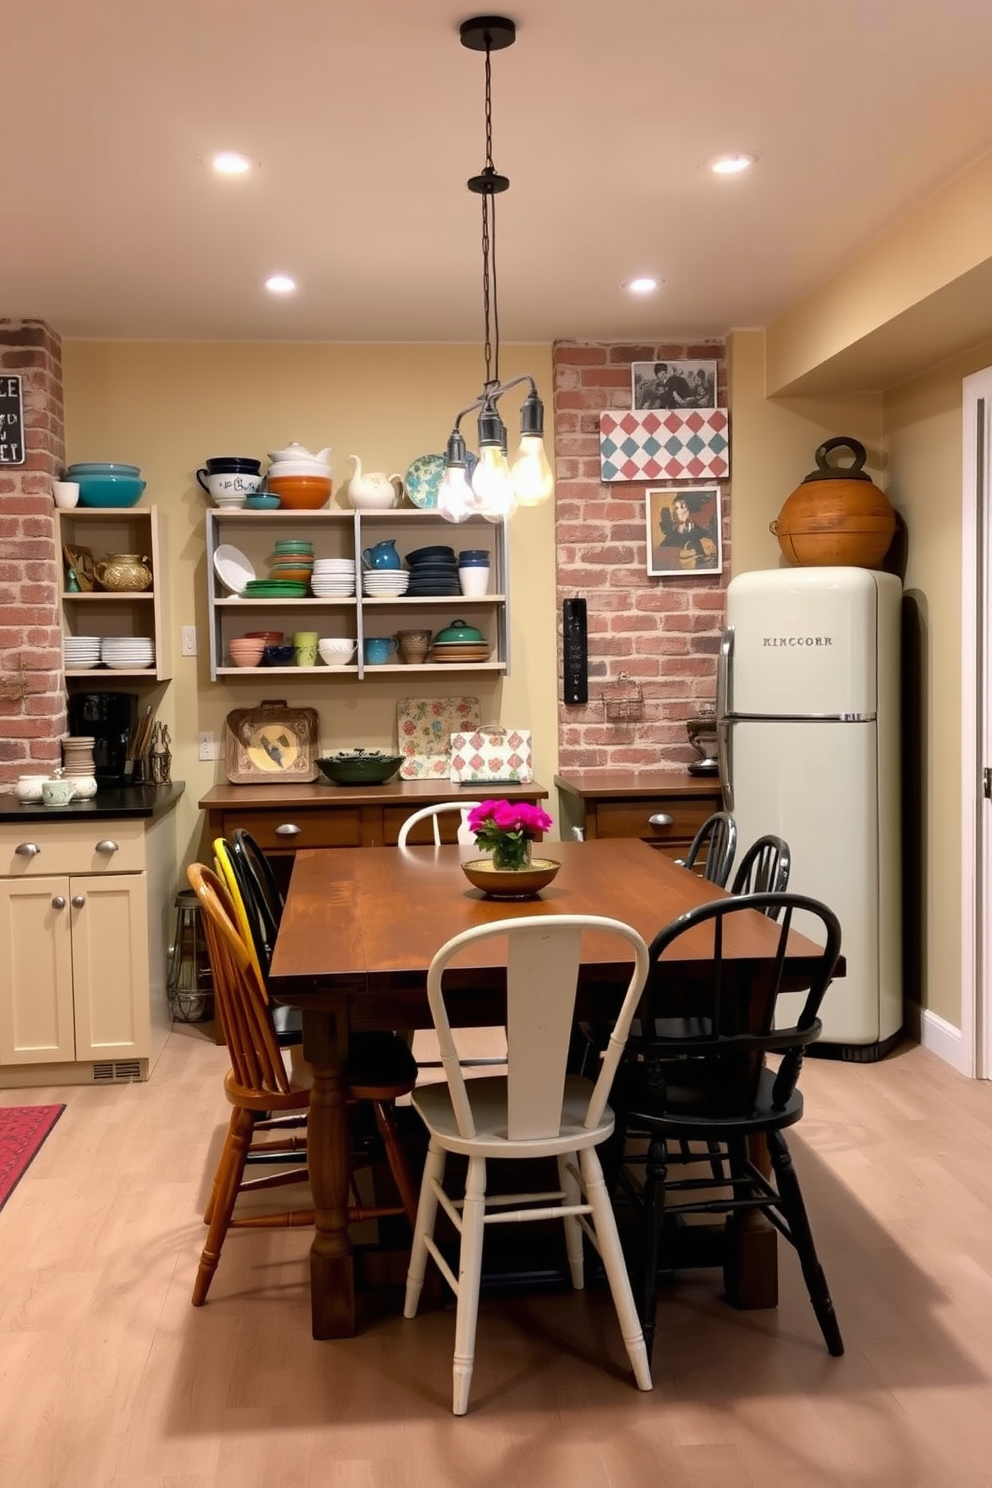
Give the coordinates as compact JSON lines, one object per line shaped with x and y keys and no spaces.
{"x":206,"y":747}
{"x":187,"y":640}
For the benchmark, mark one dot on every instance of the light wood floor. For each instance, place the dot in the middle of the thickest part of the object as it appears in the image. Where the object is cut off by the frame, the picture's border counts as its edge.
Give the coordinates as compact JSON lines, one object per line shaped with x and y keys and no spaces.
{"x":110,"y":1379}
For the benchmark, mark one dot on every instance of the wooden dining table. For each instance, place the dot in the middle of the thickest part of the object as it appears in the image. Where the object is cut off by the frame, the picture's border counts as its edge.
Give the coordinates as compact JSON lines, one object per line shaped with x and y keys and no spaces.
{"x":358,"y":933}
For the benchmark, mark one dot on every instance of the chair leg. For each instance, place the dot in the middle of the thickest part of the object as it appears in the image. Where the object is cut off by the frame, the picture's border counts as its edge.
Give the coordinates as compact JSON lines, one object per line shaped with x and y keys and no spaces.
{"x":569,"y":1184}
{"x":227,"y":1181}
{"x":605,"y":1225}
{"x":469,"y":1277}
{"x":794,"y":1210}
{"x":652,"y":1221}
{"x":396,"y":1157}
{"x":423,"y":1227}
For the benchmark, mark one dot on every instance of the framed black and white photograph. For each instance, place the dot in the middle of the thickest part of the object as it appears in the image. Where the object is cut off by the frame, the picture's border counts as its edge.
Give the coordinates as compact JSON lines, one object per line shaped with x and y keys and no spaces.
{"x":673,"y":384}
{"x":684,"y":531}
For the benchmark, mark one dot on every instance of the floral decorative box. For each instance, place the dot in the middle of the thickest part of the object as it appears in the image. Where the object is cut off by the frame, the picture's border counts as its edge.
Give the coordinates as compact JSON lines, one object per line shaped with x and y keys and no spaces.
{"x":423,"y":729}
{"x":491,"y":754}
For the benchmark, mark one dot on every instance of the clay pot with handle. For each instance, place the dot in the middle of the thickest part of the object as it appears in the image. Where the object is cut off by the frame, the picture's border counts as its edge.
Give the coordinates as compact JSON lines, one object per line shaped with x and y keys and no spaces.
{"x":837,"y":515}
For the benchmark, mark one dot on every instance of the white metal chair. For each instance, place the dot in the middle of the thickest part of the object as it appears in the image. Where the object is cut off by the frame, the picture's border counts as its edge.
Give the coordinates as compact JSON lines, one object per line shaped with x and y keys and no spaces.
{"x":465,"y":837}
{"x":534,"y":1110}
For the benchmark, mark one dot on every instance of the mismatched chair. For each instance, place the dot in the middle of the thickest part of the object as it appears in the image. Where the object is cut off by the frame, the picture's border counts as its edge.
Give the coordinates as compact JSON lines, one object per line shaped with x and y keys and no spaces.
{"x":534,"y":1110}
{"x":714,"y":1087}
{"x":431,"y":814}
{"x":764,"y":868}
{"x":715,"y":843}
{"x":261,"y":1091}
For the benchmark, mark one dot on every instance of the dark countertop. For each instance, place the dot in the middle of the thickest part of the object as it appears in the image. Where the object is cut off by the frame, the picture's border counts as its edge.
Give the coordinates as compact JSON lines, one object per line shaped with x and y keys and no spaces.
{"x":604,"y":784}
{"x":109,"y":804}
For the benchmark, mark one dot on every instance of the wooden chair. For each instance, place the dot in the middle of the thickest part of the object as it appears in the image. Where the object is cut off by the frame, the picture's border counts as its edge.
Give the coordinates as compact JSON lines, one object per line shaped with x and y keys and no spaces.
{"x":432,"y":813}
{"x":716,"y":840}
{"x":764,"y":868}
{"x":532,"y":1111}
{"x":260,"y":1090}
{"x":714,"y":1087}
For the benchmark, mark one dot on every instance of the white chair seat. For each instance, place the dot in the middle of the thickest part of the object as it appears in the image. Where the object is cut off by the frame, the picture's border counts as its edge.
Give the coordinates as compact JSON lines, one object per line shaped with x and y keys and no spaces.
{"x":489,"y":1110}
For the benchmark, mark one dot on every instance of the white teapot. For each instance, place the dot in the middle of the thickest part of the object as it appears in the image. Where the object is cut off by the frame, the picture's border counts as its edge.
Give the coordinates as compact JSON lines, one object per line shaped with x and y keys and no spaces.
{"x":374,"y":491}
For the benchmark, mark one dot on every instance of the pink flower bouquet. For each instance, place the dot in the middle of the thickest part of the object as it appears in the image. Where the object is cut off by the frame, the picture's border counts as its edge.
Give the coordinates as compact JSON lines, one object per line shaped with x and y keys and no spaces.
{"x":507,"y":828}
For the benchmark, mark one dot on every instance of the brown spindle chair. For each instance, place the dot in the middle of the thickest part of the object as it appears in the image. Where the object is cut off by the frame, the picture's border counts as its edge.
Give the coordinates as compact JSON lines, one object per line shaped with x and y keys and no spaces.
{"x":260,"y":1090}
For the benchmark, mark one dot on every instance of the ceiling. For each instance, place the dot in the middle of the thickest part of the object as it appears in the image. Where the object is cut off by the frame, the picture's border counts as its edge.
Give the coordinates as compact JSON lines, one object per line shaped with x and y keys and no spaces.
{"x":367,"y":119}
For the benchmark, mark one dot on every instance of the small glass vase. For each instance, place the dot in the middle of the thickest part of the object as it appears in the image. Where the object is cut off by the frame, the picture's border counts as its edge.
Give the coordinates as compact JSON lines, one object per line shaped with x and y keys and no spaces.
{"x":512,"y":854}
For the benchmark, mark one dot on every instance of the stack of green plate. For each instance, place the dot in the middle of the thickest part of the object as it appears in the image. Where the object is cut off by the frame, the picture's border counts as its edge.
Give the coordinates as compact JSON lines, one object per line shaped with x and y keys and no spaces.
{"x":274,"y":589}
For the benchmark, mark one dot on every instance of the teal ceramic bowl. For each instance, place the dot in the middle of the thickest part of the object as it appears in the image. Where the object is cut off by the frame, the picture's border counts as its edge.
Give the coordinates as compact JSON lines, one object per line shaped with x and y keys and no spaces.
{"x":98,"y":467}
{"x":262,"y":502}
{"x":109,"y":490}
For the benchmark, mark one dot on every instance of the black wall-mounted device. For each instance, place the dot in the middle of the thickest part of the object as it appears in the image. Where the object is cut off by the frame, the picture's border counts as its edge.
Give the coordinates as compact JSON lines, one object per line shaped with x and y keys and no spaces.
{"x":576,"y":651}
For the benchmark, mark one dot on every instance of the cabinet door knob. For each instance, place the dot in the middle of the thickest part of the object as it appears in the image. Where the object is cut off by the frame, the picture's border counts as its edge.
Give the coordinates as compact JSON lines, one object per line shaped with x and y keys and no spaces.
{"x":27,"y":849}
{"x":288,"y":829}
{"x":58,"y":902}
{"x":78,"y":900}
{"x":108,"y":847}
{"x":661,"y":819}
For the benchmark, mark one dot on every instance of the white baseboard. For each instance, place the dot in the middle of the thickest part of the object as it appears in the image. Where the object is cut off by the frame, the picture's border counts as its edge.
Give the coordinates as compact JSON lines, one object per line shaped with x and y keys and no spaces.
{"x":939,"y":1036}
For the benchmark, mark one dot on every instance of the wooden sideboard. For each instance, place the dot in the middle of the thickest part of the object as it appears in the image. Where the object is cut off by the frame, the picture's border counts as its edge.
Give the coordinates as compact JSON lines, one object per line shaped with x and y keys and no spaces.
{"x":286,"y":818}
{"x":662,"y":807}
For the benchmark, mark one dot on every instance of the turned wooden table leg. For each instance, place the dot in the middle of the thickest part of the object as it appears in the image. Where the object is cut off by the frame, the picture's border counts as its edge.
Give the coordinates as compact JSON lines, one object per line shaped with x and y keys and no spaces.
{"x":332,"y":1272}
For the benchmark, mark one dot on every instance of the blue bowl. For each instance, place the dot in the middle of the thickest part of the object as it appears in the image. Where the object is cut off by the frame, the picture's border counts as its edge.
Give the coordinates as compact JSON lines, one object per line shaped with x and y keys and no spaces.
{"x":101,"y":469}
{"x":109,"y":490}
{"x":260,"y":501}
{"x":278,"y":655}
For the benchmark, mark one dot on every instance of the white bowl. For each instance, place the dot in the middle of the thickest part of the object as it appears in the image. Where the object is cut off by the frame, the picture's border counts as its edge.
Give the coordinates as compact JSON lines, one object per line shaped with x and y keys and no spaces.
{"x":336,"y":653}
{"x":299,"y":467}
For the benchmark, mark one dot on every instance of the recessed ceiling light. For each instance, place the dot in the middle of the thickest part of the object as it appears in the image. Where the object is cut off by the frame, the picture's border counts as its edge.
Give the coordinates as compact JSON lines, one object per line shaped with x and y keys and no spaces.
{"x":642,"y":286}
{"x":280,"y":284}
{"x":231,"y":163}
{"x":730,"y":165}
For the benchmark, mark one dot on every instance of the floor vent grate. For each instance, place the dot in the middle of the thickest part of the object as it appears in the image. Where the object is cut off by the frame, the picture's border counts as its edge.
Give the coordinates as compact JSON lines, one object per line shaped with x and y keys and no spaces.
{"x":113,"y":1070}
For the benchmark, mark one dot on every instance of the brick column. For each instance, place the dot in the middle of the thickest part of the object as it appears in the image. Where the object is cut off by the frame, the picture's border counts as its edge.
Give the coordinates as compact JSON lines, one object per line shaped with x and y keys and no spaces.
{"x":663,"y":633}
{"x":32,"y":695}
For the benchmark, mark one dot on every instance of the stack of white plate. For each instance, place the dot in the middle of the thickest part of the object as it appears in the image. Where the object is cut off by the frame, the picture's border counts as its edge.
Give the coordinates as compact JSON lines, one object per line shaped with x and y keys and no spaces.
{"x":81,"y":652}
{"x":333,"y":578}
{"x":127,"y":653}
{"x":385,"y":583}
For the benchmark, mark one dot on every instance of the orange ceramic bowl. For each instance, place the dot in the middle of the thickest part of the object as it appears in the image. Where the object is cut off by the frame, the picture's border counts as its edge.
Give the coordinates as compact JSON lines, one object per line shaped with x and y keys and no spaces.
{"x":301,"y":492}
{"x":295,"y":575}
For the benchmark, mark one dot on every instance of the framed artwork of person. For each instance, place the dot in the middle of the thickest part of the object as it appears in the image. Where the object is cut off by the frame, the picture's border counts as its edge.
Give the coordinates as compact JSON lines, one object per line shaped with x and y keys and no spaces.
{"x":673,"y":385}
{"x":684,"y":531}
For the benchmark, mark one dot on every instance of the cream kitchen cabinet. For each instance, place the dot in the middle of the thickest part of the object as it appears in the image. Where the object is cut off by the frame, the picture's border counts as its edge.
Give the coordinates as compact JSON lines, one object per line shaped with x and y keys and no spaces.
{"x":83,"y":927}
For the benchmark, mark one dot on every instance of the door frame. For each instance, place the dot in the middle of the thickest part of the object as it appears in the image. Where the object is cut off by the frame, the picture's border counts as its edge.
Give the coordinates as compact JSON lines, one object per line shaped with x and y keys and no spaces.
{"x":976,"y":725}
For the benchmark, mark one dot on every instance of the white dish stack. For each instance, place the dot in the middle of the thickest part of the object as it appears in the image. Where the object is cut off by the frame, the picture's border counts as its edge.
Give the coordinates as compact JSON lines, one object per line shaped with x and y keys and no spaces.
{"x":385,"y":583}
{"x":333,"y":578}
{"x":81,"y":653}
{"x":127,"y":653}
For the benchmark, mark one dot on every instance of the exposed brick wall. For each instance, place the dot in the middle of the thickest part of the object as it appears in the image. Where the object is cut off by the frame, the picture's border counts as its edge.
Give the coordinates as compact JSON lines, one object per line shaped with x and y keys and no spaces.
{"x":32,"y":698}
{"x":663,"y":633}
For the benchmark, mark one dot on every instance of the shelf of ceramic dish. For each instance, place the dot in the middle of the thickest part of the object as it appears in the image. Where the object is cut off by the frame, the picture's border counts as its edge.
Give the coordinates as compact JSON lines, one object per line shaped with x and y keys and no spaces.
{"x":368,"y":671}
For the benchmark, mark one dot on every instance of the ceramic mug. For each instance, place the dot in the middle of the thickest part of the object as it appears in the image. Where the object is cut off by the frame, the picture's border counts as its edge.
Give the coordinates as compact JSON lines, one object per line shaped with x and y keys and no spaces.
{"x":305,"y":647}
{"x":413,"y":645}
{"x":230,"y":483}
{"x":474,"y":580}
{"x":57,"y":792}
{"x":378,"y":649}
{"x":65,"y":494}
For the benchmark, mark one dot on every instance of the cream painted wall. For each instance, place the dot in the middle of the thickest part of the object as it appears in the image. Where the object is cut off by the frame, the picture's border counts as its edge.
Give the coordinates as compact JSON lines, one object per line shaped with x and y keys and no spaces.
{"x":774,"y":442}
{"x":922,"y":422}
{"x":168,"y":406}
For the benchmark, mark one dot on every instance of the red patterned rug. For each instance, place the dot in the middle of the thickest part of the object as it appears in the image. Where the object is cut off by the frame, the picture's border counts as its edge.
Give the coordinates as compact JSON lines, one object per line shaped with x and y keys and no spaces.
{"x":22,"y":1131}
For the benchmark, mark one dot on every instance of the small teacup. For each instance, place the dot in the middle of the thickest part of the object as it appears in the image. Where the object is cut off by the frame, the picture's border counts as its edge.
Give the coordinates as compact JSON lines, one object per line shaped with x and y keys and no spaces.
{"x":57,"y":792}
{"x":474,"y":580}
{"x":65,"y":494}
{"x":378,"y":649}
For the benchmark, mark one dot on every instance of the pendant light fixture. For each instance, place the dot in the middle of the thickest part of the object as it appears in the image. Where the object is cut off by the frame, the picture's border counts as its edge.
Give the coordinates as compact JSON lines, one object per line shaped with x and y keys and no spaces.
{"x":496,"y":487}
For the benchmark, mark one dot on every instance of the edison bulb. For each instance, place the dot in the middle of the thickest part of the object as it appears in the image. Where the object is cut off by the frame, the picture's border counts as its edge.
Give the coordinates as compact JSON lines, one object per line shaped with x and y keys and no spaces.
{"x":532,"y":476}
{"x":492,"y":484}
{"x":455,"y":498}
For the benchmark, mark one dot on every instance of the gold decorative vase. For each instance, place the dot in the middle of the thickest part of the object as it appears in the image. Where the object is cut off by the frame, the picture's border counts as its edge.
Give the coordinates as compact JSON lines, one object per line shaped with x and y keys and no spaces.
{"x":123,"y":573}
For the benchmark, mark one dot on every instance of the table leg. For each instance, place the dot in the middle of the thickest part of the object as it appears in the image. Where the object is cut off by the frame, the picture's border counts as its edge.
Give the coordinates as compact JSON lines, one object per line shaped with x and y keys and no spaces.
{"x":750,"y":1271}
{"x":332,"y":1272}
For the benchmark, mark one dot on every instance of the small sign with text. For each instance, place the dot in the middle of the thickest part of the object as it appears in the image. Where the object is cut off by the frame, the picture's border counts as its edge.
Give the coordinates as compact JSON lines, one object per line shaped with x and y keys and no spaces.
{"x":11,"y":421}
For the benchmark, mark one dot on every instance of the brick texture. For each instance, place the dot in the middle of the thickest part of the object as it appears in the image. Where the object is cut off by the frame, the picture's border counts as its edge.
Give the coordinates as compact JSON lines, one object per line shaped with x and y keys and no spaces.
{"x":32,"y":695}
{"x":663,"y":635}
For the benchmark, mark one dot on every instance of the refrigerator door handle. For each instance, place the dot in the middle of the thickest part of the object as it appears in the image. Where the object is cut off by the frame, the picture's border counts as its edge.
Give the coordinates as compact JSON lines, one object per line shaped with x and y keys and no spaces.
{"x":725,"y":756}
{"x":725,"y":674}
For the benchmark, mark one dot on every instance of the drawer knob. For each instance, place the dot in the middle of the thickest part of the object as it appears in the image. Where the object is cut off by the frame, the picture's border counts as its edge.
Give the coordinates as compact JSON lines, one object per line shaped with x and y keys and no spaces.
{"x":108,"y":847}
{"x":27,"y":849}
{"x":78,"y":900}
{"x":58,"y":902}
{"x":288,"y":829}
{"x":661,"y":819}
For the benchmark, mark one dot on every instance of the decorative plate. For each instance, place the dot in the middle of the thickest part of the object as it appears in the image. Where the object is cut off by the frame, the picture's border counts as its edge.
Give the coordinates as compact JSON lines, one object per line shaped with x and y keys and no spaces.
{"x":423,"y":480}
{"x":271,"y":743}
{"x":232,"y":568}
{"x":521,"y":883}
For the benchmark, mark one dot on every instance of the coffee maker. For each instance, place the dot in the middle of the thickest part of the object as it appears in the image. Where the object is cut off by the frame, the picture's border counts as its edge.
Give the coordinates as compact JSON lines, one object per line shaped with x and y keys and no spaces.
{"x":108,"y":717}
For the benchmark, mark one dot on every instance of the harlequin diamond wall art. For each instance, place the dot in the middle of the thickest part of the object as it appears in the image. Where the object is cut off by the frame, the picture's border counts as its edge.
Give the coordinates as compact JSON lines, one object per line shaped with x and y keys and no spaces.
{"x":673,"y":444}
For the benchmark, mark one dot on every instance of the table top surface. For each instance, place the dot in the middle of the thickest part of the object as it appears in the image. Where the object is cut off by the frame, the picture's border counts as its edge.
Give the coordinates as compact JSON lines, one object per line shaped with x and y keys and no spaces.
{"x":382,"y":912}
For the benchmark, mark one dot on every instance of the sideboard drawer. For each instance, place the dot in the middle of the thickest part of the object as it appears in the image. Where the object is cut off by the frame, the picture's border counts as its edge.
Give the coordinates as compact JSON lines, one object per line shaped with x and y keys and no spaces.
{"x":291,"y":829}
{"x":632,"y":818}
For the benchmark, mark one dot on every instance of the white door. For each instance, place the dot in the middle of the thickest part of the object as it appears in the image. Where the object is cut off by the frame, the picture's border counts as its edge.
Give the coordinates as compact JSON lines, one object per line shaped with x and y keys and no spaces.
{"x":814,"y":784}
